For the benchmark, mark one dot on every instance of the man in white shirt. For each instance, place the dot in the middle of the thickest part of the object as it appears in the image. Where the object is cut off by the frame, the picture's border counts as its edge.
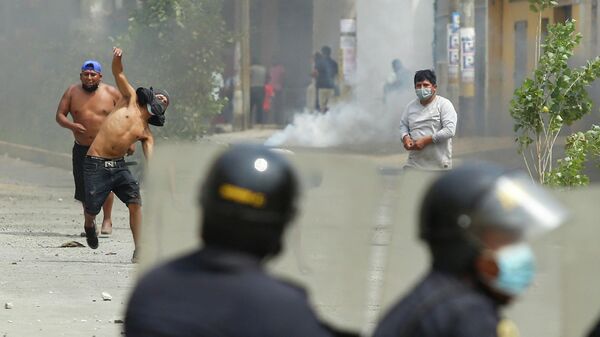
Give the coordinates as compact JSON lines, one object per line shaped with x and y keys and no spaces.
{"x":428,"y":125}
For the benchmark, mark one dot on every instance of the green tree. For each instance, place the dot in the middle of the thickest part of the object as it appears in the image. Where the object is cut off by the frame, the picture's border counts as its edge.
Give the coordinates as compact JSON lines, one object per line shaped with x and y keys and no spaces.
{"x":554,"y":96}
{"x":578,"y":150}
{"x":178,"y":45}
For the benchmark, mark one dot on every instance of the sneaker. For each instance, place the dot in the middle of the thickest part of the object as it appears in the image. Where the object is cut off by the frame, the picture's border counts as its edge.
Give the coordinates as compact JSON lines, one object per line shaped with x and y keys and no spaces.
{"x":91,"y":237}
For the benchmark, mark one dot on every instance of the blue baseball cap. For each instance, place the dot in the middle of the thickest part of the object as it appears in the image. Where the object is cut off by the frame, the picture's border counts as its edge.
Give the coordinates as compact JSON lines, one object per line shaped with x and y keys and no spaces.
{"x":91,"y":65}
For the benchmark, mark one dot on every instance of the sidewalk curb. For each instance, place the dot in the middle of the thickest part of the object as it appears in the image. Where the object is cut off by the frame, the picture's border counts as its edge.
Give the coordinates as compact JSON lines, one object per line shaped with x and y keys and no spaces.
{"x":37,"y":155}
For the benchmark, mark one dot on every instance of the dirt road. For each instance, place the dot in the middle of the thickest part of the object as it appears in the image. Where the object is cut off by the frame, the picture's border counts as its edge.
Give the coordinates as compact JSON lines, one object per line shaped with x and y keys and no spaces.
{"x":46,"y":290}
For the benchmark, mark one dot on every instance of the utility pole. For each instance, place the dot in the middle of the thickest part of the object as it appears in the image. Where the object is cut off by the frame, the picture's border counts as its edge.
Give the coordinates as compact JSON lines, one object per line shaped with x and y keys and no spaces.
{"x":241,"y":95}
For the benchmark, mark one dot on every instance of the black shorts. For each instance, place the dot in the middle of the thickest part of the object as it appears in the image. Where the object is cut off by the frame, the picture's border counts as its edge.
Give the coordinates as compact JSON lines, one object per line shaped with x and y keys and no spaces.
{"x":101,"y":176}
{"x":79,"y":152}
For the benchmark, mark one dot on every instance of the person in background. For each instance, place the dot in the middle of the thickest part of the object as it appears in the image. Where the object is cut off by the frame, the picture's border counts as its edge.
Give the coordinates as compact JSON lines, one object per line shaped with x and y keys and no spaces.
{"x":88,"y":103}
{"x":428,"y":126}
{"x":258,"y":79}
{"x":327,"y":71}
{"x":398,"y":80}
{"x":277,"y":80}
{"x":312,"y":103}
{"x":269,"y":100}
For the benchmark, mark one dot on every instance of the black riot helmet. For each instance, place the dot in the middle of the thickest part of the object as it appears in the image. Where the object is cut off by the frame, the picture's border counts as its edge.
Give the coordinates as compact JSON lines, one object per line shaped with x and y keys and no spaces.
{"x":248,"y":198}
{"x":464,"y":203}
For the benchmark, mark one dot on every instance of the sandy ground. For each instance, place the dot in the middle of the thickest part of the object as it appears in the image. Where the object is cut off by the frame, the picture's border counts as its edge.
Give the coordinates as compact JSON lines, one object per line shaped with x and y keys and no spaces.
{"x":57,"y":291}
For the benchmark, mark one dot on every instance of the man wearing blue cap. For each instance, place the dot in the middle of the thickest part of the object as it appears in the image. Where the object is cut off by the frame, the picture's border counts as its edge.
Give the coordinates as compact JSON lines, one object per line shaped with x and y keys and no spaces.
{"x":88,"y":103}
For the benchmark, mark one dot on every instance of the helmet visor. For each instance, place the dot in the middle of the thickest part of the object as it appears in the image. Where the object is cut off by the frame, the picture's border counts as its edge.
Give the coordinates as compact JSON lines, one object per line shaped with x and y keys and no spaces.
{"x":518,"y":205}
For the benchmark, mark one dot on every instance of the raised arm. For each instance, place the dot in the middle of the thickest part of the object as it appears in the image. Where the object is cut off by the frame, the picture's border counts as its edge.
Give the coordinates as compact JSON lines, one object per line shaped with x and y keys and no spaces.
{"x":117,"y":68}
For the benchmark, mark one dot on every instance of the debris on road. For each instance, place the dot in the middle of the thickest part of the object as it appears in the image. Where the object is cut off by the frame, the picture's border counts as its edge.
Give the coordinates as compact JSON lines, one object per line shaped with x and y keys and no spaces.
{"x":106,"y":296}
{"x":71,"y":244}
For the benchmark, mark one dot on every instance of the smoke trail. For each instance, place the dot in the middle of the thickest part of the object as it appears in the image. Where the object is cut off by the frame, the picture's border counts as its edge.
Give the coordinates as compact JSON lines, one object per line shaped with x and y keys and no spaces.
{"x":344,"y":124}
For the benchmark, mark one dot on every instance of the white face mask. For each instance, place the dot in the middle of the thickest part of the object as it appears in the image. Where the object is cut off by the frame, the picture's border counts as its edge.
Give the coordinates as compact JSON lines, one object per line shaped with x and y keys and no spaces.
{"x":423,"y":93}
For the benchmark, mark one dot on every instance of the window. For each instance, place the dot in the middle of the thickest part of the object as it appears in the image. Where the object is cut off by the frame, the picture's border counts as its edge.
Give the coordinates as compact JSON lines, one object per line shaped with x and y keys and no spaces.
{"x":520,"y":70}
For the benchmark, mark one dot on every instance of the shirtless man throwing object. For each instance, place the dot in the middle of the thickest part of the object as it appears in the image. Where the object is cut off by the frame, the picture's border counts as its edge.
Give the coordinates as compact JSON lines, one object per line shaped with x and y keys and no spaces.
{"x":88,"y":104}
{"x":104,"y":166}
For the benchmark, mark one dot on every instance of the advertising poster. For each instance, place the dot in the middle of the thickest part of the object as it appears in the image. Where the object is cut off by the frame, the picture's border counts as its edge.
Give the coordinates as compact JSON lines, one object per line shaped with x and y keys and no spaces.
{"x":467,"y":49}
{"x":453,"y":51}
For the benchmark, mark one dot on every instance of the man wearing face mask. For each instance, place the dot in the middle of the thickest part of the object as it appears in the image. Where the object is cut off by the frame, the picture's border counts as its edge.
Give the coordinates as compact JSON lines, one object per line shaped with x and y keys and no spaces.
{"x":428,"y":125}
{"x":248,"y":200}
{"x":476,"y":221}
{"x":88,"y":103}
{"x":104,"y":168}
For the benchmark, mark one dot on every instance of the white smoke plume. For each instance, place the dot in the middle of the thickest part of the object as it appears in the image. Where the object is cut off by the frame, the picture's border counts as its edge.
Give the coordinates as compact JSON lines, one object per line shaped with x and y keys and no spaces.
{"x":345,"y":124}
{"x":387,"y":29}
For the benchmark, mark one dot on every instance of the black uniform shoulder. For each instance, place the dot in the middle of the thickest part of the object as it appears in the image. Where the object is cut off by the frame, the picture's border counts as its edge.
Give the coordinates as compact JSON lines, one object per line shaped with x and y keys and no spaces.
{"x":442,"y":305}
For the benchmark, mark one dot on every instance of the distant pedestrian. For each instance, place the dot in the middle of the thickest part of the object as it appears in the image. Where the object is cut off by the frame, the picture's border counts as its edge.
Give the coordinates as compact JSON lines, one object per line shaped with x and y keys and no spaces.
{"x":312,"y":103}
{"x":277,"y":82}
{"x":327,"y":71}
{"x":268,"y":101}
{"x":258,"y":79}
{"x":398,"y":80}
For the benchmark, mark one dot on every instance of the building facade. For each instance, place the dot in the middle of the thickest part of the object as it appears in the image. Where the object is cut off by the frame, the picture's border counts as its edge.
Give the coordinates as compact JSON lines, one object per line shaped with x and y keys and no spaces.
{"x":504,"y":45}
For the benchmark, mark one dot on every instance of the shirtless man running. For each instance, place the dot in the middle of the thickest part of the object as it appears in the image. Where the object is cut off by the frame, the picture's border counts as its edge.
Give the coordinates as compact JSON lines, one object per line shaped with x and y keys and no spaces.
{"x":88,"y":103}
{"x":104,"y":166}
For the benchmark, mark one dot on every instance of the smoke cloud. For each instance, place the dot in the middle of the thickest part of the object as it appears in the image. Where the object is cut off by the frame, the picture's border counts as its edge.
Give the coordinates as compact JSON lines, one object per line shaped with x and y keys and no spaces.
{"x":345,"y":124}
{"x":386,"y":30}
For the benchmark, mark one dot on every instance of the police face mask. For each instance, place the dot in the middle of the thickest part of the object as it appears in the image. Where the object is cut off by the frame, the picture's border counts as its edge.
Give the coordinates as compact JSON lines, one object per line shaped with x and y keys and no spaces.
{"x":516,"y":264}
{"x":155,"y":107}
{"x":423,"y":93}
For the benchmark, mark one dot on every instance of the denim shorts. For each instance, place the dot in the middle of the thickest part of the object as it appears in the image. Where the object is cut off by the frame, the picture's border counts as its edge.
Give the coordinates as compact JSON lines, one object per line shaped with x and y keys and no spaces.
{"x":78,"y":156}
{"x":101,"y":176}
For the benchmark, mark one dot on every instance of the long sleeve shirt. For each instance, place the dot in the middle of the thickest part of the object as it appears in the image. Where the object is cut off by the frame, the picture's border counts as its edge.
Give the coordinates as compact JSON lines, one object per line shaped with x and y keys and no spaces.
{"x":437,"y":119}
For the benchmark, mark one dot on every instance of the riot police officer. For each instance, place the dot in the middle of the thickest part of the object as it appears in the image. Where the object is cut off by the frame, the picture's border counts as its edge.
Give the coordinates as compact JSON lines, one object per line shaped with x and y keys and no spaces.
{"x":476,"y":221}
{"x":248,"y":199}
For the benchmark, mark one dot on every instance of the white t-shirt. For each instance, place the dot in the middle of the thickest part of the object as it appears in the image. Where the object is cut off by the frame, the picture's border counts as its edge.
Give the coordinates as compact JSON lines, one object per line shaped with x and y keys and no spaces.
{"x":437,"y":119}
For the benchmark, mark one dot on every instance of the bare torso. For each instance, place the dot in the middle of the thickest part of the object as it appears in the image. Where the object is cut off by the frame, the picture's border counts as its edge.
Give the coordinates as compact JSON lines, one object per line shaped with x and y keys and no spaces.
{"x":125,"y":126}
{"x":91,"y":109}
